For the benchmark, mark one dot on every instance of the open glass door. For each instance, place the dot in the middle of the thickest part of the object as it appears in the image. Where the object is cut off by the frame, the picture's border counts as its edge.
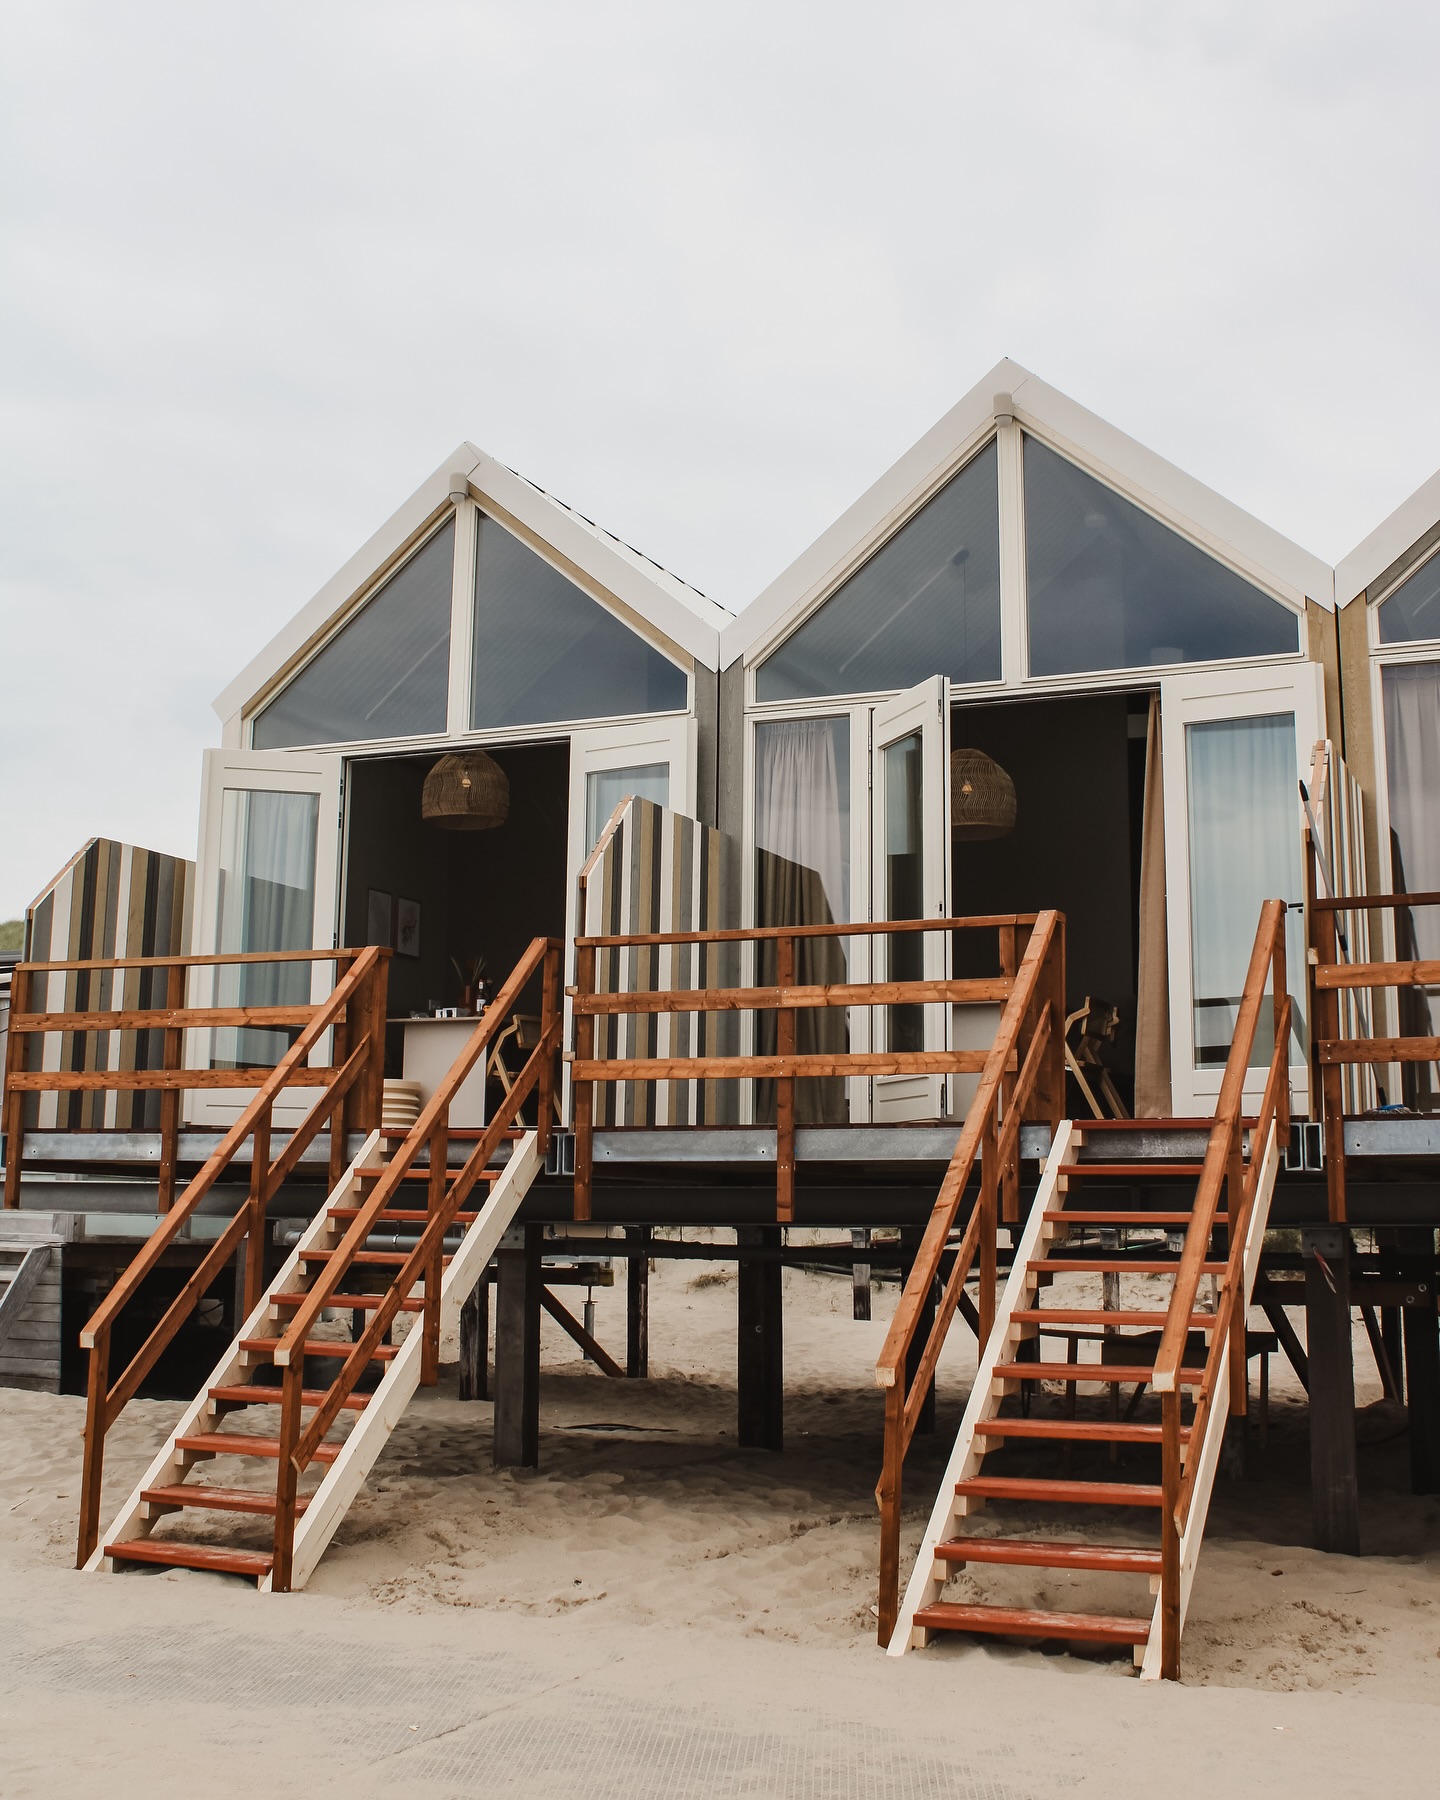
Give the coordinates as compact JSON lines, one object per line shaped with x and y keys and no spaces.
{"x":910,"y":879}
{"x":1235,"y":745}
{"x":269,"y":854}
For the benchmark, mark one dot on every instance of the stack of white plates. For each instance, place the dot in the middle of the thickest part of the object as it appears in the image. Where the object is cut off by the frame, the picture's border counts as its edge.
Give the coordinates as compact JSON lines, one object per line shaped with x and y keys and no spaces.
{"x":400,"y":1105}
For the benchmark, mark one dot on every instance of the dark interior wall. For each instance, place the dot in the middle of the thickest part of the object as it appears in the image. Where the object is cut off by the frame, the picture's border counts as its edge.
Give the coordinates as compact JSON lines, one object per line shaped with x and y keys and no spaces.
{"x":1075,"y":845}
{"x":480,"y":893}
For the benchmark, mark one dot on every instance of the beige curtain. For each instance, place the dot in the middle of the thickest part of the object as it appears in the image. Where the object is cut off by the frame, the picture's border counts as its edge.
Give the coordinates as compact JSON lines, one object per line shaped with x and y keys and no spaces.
{"x":1152,"y":1020}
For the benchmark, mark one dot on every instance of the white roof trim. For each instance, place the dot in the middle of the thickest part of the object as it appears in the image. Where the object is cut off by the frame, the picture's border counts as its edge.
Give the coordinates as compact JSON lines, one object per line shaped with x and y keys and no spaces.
{"x":1388,"y":542}
{"x":678,"y":614}
{"x":1235,"y":535}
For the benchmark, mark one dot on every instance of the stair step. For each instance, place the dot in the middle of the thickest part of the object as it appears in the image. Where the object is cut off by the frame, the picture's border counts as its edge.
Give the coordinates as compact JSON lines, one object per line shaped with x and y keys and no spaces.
{"x":1064,"y":1315}
{"x":1076,"y":1431}
{"x":383,"y":1259}
{"x":349,"y":1302}
{"x":1031,"y":1554}
{"x":1093,"y":1371}
{"x":266,"y":1346}
{"x":1109,"y":1171}
{"x":1066,"y":1216}
{"x":238,"y":1443}
{"x":217,"y":1499}
{"x":256,"y":1395}
{"x":254,"y":1563}
{"x":1083,"y":1265}
{"x":1014,"y":1621}
{"x":1061,"y":1493}
{"x":397,"y":1216}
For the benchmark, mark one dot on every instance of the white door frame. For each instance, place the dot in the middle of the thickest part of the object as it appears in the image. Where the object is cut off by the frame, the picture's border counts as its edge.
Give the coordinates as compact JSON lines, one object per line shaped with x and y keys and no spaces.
{"x":264,"y":771}
{"x":923,"y":709}
{"x":1194,"y":699}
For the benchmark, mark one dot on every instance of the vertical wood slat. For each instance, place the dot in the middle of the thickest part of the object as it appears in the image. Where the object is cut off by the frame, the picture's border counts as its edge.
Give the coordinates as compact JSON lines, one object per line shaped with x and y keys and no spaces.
{"x":170,"y":1099}
{"x":583,"y":1093}
{"x":785,"y":1088}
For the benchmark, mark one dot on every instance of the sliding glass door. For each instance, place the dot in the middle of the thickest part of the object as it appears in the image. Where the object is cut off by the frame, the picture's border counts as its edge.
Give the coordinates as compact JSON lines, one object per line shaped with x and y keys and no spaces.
{"x":1236,"y":745}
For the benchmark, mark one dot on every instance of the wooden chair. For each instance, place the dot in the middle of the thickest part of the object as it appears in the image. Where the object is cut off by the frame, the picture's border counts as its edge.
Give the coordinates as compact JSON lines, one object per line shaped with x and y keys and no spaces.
{"x":521,"y":1035}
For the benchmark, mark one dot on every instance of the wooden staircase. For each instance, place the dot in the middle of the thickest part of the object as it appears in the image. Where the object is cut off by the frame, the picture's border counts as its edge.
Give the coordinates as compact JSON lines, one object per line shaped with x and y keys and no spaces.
{"x":1103,"y":1392}
{"x":235,"y":1417}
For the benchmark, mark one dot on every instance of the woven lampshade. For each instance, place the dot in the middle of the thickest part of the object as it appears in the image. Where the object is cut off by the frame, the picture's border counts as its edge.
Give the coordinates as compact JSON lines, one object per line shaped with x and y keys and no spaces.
{"x":982,"y":797}
{"x":466,"y":792}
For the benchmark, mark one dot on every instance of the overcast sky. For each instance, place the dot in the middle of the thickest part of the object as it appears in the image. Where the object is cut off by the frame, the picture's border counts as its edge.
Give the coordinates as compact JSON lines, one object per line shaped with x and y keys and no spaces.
{"x":703,"y":272}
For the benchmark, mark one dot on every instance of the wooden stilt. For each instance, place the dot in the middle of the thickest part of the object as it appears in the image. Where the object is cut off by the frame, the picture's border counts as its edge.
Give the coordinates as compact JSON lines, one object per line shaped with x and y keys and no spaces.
{"x":637,"y":1303}
{"x":474,"y":1378}
{"x":517,"y":1350}
{"x":760,"y":1356}
{"x":1422,"y":1360}
{"x":860,"y":1274}
{"x":925,"y":1324}
{"x":1333,"y":1485}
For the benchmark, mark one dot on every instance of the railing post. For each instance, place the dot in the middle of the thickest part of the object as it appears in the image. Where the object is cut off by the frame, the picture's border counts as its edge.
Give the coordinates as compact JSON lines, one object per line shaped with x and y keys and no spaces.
{"x":259,"y":1196}
{"x":1280,"y":995}
{"x":371,"y":1084}
{"x":347,"y":1030}
{"x":171,"y":1051}
{"x":21,"y":988}
{"x":287,"y":1476}
{"x":1236,"y":1222}
{"x":785,"y":1088}
{"x":97,"y":1401}
{"x":434,"y":1269}
{"x":1170,"y":1536}
{"x":550,"y":1012}
{"x":1010,"y":1174}
{"x":887,"y":1496}
{"x":582,"y":1093}
{"x":989,"y":1227}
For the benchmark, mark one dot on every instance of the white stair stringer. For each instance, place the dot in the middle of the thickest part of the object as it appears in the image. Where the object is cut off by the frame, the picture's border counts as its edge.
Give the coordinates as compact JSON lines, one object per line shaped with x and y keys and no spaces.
{"x":169,"y":1467}
{"x":371,"y":1432}
{"x":930,"y":1575}
{"x":1149,"y":1655}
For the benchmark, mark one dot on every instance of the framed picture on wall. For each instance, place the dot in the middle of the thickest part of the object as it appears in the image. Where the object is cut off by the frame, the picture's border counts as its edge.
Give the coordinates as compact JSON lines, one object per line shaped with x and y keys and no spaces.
{"x":379,"y":918}
{"x":407,"y":927}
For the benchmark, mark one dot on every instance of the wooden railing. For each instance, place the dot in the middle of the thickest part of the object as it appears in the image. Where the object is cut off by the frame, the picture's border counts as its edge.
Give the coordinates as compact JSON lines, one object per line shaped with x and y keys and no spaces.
{"x":1333,"y":973}
{"x":446,"y":1194}
{"x":1022,"y":1076}
{"x":350,"y":1096}
{"x":361,"y":1016}
{"x":1224,"y":1172}
{"x":784,"y":998}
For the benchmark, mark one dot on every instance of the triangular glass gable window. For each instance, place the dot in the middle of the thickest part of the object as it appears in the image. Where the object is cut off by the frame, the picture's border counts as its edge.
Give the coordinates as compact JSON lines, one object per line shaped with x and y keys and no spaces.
{"x":1412,"y":611}
{"x":384,"y":675}
{"x":1112,"y":588}
{"x":927,"y":603}
{"x":545,"y":652}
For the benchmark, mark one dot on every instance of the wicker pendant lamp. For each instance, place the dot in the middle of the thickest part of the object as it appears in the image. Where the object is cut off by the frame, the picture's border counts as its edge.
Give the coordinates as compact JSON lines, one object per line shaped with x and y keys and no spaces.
{"x":982,"y":797}
{"x":466,"y":792}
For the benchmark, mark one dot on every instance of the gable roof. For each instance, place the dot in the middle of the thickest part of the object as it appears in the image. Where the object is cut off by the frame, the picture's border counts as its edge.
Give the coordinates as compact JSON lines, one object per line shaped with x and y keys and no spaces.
{"x":1253,"y":548}
{"x":598,"y":562}
{"x":1411,"y":521}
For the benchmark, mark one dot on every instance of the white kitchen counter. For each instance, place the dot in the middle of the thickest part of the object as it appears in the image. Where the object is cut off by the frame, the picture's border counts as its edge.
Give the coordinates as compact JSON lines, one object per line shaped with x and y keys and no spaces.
{"x":431,"y":1046}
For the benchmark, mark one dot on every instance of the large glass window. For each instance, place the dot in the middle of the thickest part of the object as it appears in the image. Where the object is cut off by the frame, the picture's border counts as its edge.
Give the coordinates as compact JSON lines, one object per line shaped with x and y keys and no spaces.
{"x":546,"y":652}
{"x":386,"y":674}
{"x":1244,"y":850}
{"x":1112,"y":588}
{"x":928,"y":603}
{"x":802,"y":877}
{"x":1413,"y":610}
{"x":266,"y":901}
{"x":1412,"y":761}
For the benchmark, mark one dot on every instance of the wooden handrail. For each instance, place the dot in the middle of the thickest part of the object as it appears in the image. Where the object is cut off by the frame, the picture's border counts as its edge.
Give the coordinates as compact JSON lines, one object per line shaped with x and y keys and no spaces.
{"x":86,"y":964}
{"x":765,"y":999}
{"x":754,"y":934}
{"x":1332,"y":903}
{"x":359,"y":989}
{"x":1032,"y":1023}
{"x":301,"y":1438}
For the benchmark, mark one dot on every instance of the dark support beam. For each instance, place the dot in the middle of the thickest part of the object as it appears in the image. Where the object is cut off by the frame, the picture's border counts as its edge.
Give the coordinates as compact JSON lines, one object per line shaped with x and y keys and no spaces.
{"x":760,"y":1359}
{"x":517,"y":1349}
{"x":910,"y":1243}
{"x":1392,"y":1335}
{"x":637,"y":1302}
{"x":1289,"y":1340}
{"x":1334,"y":1488}
{"x":860,"y":1273}
{"x":1422,"y":1359}
{"x":475,"y":1343}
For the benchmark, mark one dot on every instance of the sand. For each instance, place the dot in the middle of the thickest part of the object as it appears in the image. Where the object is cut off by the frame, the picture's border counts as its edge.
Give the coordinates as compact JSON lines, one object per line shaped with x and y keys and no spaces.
{"x":649,"y":1539}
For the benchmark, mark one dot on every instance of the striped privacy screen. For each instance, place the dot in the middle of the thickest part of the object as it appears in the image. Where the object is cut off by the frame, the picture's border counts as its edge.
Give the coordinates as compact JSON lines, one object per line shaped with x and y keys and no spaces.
{"x":110,"y":900}
{"x":657,"y":871}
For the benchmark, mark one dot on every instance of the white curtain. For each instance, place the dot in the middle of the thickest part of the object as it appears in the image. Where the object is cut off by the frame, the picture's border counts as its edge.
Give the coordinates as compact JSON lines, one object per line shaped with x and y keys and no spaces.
{"x":1244,"y":850}
{"x":802,"y":802}
{"x":267,"y":902}
{"x":1412,"y":757}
